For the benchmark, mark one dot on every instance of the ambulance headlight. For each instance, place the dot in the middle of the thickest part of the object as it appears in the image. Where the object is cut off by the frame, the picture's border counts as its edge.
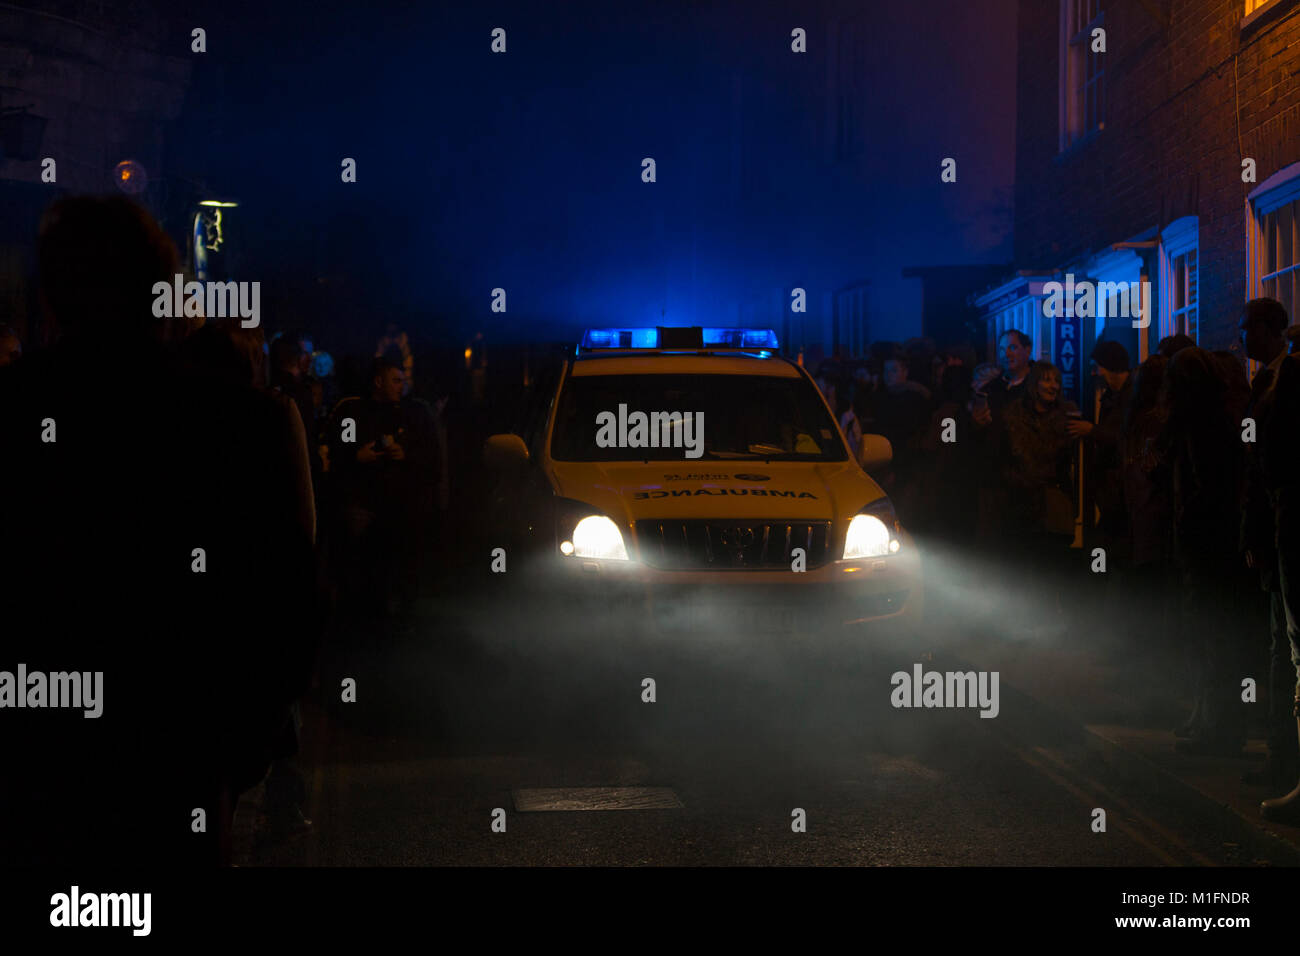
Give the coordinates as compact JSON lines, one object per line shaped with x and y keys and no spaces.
{"x":596,"y":536}
{"x":873,"y":533}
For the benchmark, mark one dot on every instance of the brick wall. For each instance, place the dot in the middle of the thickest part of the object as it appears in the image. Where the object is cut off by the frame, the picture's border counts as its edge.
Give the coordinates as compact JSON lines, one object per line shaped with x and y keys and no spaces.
{"x":106,"y":97}
{"x":1170,"y":143}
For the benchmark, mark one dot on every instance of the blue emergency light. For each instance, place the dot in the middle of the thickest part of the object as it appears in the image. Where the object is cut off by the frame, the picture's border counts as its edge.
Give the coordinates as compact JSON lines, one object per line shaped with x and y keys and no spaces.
{"x":679,"y":337}
{"x":741,"y":338}
{"x":621,"y":339}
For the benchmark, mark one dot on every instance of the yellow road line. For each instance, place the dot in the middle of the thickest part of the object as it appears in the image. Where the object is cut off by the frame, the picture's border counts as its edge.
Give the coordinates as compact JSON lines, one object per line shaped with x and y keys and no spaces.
{"x":1052,"y":767}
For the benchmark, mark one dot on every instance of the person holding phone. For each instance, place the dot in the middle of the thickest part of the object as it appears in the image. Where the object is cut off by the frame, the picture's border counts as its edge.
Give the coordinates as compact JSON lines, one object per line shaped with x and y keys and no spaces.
{"x":379,"y":485}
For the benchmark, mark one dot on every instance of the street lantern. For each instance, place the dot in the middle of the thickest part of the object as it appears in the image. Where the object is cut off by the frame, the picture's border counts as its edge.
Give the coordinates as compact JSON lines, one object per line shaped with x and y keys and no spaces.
{"x":130,"y":177}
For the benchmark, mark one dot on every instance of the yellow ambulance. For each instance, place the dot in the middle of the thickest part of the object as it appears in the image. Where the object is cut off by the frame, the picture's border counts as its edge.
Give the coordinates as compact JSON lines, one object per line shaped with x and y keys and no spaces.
{"x":694,"y":477}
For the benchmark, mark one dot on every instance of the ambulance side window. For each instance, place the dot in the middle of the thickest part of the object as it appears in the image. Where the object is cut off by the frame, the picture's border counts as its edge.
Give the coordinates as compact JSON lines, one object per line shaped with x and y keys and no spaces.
{"x":538,"y":410}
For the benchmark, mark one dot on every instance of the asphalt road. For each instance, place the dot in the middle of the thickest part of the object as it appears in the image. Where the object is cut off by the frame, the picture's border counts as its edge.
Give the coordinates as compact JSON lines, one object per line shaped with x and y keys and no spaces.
{"x":481,"y":703}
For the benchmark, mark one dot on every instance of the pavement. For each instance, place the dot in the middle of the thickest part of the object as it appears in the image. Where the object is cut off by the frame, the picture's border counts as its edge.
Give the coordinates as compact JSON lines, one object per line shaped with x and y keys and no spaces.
{"x":1122,"y":704}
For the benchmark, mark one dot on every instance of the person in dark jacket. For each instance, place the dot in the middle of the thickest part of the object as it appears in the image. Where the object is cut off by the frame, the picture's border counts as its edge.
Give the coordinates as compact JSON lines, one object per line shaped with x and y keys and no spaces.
{"x":382,"y":472}
{"x":1037,"y":462}
{"x":995,"y":388}
{"x":902,"y":410}
{"x":1280,"y":463}
{"x":1270,"y":536}
{"x":161,"y":545}
{"x":951,"y":499}
{"x":1145,"y":499}
{"x":287,"y":375}
{"x":1263,"y":330}
{"x":1148,"y":613}
{"x":223,"y":351}
{"x":1103,"y":450}
{"x":1011,"y":379}
{"x":1037,"y":467}
{"x":1204,"y":457}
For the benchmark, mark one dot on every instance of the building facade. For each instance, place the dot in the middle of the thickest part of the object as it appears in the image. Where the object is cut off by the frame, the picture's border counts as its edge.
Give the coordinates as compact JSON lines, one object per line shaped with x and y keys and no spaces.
{"x":91,"y":87}
{"x":1157,"y":144}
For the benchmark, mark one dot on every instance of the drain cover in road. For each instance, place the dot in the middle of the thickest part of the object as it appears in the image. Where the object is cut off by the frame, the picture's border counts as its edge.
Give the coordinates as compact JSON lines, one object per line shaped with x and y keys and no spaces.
{"x":595,"y":798}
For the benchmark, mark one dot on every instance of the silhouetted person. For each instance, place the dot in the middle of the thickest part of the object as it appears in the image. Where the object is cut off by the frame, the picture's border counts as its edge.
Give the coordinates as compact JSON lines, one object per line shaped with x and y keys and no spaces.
{"x":1263,"y":326}
{"x":1111,"y":367}
{"x":996,"y":387}
{"x":223,"y":351}
{"x":902,"y":412}
{"x":161,"y":542}
{"x":950,"y":496}
{"x":902,"y":407}
{"x":1146,"y":497}
{"x":1280,"y":463}
{"x":426,"y":445}
{"x":383,"y":479}
{"x":1171,"y":345}
{"x":1204,"y":456}
{"x":287,"y":363}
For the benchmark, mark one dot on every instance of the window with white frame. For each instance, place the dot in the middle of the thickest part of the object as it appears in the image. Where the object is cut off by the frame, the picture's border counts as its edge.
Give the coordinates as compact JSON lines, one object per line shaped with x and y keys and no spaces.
{"x":1281,"y":262}
{"x":1016,"y":304}
{"x":1184,"y":299}
{"x":1180,"y":279}
{"x":1082,"y":104}
{"x":1273,"y":239}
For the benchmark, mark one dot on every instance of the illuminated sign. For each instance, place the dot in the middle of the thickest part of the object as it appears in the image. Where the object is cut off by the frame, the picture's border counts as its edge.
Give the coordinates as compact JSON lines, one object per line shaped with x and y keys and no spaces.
{"x":1067,"y":345}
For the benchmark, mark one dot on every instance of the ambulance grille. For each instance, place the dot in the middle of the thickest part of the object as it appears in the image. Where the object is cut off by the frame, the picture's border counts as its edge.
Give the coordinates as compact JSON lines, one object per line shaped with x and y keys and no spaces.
{"x":737,"y":545}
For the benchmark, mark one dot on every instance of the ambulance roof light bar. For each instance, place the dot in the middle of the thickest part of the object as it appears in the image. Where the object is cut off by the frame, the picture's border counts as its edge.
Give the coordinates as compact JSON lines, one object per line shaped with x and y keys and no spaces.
{"x":683,"y":338}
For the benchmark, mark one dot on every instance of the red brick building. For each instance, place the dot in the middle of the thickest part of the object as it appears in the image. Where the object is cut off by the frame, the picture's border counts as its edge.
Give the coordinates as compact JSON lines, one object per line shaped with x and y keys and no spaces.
{"x":1135,"y":121}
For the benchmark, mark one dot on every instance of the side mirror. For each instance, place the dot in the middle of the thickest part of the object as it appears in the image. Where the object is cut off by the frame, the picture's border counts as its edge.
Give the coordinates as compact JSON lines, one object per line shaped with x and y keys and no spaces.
{"x":874,"y":452}
{"x":505,"y":452}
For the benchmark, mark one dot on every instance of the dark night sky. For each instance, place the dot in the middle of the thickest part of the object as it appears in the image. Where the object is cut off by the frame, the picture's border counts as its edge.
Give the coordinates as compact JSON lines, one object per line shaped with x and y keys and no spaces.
{"x":523,"y":171}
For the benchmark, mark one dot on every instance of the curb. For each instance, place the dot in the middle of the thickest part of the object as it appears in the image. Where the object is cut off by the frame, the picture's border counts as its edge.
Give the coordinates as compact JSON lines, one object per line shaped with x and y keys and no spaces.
{"x":1037,"y":724}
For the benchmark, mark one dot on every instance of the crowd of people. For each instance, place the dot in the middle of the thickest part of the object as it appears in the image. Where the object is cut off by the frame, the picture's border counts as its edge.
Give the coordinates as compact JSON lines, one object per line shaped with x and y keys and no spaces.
{"x":1180,"y":487}
{"x":163,"y":467}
